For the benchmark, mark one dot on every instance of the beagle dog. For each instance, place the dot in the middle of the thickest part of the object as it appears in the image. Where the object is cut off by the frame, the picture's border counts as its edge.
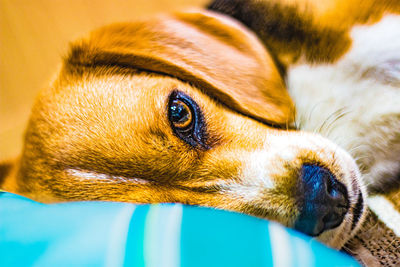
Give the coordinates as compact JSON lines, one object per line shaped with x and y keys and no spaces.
{"x":187,"y":108}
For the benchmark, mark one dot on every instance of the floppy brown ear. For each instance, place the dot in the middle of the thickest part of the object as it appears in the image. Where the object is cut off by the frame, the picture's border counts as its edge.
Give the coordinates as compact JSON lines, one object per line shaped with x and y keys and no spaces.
{"x":211,"y":51}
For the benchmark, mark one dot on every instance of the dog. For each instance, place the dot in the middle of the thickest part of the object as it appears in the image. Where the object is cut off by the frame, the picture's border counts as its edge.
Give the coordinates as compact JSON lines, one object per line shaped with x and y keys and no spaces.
{"x":187,"y":108}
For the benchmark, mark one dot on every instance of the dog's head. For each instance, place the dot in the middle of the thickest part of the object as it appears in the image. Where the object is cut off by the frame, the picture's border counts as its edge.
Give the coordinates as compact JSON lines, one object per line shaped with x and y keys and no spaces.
{"x":187,"y":108}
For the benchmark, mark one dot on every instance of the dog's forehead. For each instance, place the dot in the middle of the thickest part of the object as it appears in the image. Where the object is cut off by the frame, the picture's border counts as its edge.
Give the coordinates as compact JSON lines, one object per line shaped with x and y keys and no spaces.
{"x":213,"y":52}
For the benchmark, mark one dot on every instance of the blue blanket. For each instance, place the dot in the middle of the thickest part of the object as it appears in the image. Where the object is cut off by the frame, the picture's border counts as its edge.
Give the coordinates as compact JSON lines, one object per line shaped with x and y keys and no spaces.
{"x":120,"y":234}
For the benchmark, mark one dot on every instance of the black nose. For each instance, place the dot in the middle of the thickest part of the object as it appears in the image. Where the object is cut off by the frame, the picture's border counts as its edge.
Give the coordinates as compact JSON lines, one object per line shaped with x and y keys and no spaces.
{"x":323,"y":201}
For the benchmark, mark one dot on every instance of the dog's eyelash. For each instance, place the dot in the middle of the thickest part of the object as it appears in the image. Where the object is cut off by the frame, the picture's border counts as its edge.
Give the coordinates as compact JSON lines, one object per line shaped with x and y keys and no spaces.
{"x":195,"y":135}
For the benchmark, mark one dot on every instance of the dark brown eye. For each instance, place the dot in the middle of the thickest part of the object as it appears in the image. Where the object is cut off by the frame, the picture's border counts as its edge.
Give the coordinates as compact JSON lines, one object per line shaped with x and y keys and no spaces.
{"x":180,"y":114}
{"x":187,"y":121}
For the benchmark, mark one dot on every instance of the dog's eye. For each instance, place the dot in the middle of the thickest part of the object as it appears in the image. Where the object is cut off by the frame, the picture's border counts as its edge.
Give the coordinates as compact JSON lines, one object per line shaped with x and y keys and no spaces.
{"x":186,"y":120}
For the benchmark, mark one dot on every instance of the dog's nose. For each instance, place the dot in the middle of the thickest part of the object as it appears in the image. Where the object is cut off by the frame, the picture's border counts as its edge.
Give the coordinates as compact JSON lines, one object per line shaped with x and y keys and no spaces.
{"x":323,"y":201}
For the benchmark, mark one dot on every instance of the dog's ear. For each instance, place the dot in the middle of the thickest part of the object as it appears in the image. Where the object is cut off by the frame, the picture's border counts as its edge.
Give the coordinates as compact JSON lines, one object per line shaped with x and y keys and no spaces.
{"x":212,"y":52}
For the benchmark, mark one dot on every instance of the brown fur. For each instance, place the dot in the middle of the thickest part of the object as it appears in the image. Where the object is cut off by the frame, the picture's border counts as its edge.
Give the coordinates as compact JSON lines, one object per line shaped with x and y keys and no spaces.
{"x":314,"y":31}
{"x":394,"y":197}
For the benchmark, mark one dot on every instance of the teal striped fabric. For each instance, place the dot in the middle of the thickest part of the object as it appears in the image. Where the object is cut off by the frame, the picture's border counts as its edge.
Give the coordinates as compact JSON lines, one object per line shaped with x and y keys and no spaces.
{"x":165,"y":235}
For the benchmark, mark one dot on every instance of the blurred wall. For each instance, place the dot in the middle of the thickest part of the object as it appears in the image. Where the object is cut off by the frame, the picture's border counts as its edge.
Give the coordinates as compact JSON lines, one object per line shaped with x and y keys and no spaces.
{"x":34,"y":35}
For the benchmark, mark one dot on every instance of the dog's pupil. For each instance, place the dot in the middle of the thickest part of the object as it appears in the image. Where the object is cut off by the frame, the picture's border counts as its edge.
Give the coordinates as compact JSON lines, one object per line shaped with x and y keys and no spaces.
{"x":179,"y":112}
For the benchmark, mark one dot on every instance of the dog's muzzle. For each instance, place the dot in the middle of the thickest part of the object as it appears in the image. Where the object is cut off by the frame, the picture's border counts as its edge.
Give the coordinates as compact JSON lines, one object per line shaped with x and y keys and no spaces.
{"x":323,"y":201}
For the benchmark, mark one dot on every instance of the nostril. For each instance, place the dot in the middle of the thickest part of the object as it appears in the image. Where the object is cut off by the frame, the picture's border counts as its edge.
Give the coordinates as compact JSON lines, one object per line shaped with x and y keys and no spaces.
{"x":330,"y":220}
{"x":333,"y":219}
{"x":329,"y":187}
{"x":336,"y":191}
{"x":323,"y":200}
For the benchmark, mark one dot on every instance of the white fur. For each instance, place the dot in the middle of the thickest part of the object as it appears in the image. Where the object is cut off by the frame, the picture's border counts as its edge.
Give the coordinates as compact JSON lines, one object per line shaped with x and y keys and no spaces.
{"x":90,"y":176}
{"x":364,"y":87}
{"x":262,"y":165}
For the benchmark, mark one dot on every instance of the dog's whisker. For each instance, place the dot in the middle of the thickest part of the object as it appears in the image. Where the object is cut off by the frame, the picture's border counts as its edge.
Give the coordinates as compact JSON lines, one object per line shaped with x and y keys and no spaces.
{"x":327,"y":124}
{"x":355,"y":148}
{"x":330,"y":127}
{"x":313,"y":109}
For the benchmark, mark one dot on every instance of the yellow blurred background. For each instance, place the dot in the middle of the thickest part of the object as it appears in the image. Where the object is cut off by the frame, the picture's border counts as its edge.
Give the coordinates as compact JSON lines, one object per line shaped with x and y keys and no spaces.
{"x":34,"y":35}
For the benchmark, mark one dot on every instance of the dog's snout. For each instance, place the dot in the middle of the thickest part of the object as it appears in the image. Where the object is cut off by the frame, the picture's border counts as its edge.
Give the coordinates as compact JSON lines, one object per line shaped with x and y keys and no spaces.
{"x":323,"y":201}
